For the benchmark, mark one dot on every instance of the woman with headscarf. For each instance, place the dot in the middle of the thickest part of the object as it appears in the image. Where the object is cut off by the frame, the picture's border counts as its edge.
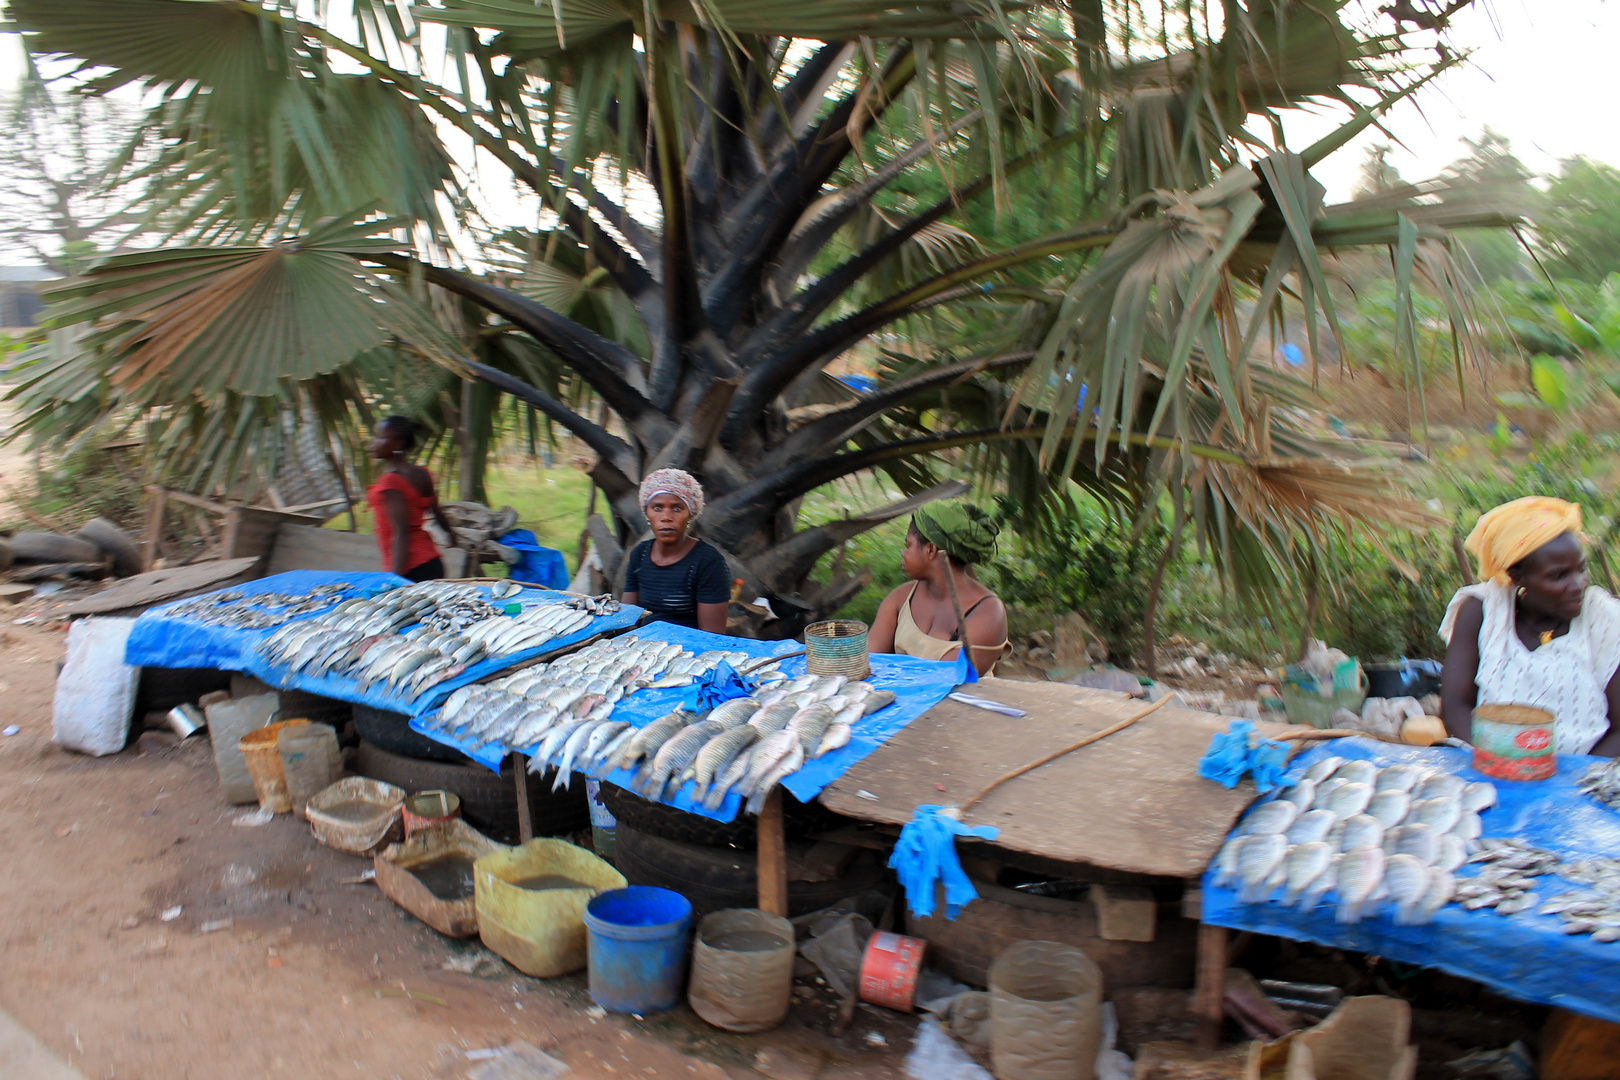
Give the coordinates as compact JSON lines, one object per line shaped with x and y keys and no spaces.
{"x":677,"y":577}
{"x":920,"y":618}
{"x":1534,"y":632}
{"x":399,"y":499}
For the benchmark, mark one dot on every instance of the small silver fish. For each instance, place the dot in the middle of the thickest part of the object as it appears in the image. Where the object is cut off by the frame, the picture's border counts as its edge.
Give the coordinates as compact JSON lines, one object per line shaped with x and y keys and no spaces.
{"x":1269,"y":817}
{"x":1414,"y":839}
{"x":1323,"y":769}
{"x":1452,"y":853}
{"x":1478,"y":796}
{"x":1312,"y":825}
{"x":1361,"y":872}
{"x":1407,"y":879}
{"x":1439,"y":785}
{"x":1436,"y":895}
{"x":1362,"y":830}
{"x":1306,"y":862}
{"x":1439,"y":814}
{"x":1300,"y":794}
{"x":1390,"y":807}
{"x":1403,"y":777}
{"x":1357,"y":772}
{"x":1349,"y":800}
{"x":1257,"y":859}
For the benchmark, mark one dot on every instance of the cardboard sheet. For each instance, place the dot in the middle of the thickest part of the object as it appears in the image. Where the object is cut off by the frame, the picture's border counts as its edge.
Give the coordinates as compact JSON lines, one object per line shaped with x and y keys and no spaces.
{"x":1132,"y":801}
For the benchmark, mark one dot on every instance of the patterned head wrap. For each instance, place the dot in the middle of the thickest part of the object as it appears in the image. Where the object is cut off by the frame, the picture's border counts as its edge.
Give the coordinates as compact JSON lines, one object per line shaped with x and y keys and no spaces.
{"x":959,"y":529}
{"x":683,"y":485}
{"x":1508,"y":533}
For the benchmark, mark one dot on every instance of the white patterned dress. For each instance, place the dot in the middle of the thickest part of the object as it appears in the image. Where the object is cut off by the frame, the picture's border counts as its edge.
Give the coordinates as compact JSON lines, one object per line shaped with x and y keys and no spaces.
{"x":1567,"y":676}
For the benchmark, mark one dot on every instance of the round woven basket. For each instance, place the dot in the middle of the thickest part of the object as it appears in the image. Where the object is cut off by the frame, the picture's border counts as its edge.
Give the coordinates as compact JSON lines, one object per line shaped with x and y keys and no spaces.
{"x":837,"y":647}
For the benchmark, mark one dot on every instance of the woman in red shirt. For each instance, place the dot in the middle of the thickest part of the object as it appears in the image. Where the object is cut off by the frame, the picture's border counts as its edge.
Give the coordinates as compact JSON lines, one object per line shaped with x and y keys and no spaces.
{"x":399,"y":498}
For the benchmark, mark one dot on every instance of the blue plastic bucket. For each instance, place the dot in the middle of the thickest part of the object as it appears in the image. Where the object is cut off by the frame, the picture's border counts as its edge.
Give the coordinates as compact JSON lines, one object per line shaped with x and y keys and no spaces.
{"x":637,"y":941}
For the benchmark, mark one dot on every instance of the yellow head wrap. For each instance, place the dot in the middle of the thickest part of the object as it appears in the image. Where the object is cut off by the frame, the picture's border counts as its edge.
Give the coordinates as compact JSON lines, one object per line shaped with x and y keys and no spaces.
{"x":1507,"y":533}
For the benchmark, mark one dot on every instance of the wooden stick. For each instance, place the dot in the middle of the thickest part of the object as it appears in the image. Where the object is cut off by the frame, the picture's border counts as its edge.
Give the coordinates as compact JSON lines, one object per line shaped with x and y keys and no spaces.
{"x":766,"y":661}
{"x":956,"y":606}
{"x":773,"y":885}
{"x":1316,"y":733}
{"x":1209,"y":995}
{"x":1093,"y":737}
{"x":520,"y":775}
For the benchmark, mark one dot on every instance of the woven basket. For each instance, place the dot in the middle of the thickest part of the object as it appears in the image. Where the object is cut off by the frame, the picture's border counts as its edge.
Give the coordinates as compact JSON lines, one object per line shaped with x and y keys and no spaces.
{"x":837,"y":647}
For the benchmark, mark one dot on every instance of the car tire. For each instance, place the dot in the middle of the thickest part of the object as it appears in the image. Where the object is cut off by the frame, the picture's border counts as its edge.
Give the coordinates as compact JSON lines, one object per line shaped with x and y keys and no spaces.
{"x":47,"y":547}
{"x":966,"y":946}
{"x":161,"y":689}
{"x":656,"y":819}
{"x":391,"y":731}
{"x":717,"y":878}
{"x":113,"y":541}
{"x":488,"y":801}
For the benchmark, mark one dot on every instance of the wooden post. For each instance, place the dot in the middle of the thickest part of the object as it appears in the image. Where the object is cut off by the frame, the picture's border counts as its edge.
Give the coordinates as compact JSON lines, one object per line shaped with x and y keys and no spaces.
{"x":1209,"y":997}
{"x":520,"y":777}
{"x":773,"y":890}
{"x":154,"y":523}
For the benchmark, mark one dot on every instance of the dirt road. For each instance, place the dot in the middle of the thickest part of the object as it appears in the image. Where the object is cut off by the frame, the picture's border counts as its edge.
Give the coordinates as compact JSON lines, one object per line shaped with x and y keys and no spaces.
{"x":300,"y":973}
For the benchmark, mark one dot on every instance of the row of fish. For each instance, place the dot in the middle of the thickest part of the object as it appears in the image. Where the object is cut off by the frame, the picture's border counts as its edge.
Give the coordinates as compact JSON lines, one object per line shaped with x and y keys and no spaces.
{"x":747,"y":745}
{"x":539,"y":707}
{"x":1366,"y":833}
{"x":255,"y":611}
{"x":1508,"y":881}
{"x":1602,"y":782}
{"x":453,"y":627}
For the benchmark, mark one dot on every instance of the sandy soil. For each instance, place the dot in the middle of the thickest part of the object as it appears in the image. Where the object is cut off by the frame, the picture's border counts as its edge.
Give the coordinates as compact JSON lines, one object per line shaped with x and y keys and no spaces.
{"x":312,"y":976}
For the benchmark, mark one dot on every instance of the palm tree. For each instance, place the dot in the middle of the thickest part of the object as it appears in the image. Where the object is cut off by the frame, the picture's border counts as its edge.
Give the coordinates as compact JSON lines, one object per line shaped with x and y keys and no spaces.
{"x":726,"y":196}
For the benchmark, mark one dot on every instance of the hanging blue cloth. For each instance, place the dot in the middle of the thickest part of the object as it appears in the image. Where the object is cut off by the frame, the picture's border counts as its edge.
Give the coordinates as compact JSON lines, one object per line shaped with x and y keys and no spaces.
{"x":720,"y":683}
{"x":538,"y":565}
{"x":1237,"y":752}
{"x":965,"y":671}
{"x":925,"y":855}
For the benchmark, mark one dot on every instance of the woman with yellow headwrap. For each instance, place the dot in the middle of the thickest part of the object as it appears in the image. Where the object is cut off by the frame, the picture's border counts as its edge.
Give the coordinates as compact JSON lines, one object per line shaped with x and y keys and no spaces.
{"x":921,"y":618}
{"x":1534,"y":632}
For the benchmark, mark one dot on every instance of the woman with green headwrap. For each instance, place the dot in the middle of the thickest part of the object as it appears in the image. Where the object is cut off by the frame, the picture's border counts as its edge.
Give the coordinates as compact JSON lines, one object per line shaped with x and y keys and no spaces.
{"x":926,"y":617}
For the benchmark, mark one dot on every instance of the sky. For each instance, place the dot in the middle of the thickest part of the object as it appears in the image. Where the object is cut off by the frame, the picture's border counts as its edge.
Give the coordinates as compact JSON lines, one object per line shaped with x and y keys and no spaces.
{"x":1540,"y":73}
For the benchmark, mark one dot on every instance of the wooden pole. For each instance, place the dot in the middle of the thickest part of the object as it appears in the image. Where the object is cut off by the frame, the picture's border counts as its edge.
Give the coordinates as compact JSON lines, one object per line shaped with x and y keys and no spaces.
{"x":773,"y":887}
{"x":1209,"y":996}
{"x":520,"y":777}
{"x":154,"y":524}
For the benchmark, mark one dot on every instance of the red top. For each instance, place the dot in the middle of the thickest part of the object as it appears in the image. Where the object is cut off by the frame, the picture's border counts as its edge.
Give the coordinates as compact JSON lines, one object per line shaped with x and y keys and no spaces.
{"x":420,"y":549}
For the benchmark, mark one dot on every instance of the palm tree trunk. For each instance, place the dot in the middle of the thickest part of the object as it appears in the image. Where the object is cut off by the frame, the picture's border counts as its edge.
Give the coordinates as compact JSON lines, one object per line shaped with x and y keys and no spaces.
{"x":1150,"y":657}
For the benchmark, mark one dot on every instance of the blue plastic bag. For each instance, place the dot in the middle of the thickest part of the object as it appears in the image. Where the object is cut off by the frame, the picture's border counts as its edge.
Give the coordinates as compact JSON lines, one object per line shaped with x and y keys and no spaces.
{"x":925,"y":855}
{"x":1233,"y":754}
{"x":719,"y":684}
{"x":539,"y":565}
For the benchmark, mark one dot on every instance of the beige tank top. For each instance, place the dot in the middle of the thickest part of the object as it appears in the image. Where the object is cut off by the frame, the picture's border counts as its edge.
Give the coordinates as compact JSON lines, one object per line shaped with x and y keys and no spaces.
{"x":910,"y":640}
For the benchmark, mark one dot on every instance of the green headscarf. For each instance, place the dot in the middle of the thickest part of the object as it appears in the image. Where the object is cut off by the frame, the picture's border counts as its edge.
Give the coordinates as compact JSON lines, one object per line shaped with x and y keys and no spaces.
{"x":959,"y":529}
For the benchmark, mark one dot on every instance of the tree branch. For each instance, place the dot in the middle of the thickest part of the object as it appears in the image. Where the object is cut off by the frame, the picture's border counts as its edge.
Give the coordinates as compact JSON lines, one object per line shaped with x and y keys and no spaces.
{"x":609,"y":447}
{"x":769,"y":377}
{"x":604,"y":364}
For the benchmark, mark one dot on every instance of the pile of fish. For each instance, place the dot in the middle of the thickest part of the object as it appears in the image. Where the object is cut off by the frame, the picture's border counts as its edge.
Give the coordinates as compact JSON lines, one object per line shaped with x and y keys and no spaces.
{"x":1602,"y":782}
{"x":1369,"y":834}
{"x":748,"y":744}
{"x":1507,"y":882}
{"x":453,"y":626}
{"x":255,"y":611}
{"x":543,"y":707}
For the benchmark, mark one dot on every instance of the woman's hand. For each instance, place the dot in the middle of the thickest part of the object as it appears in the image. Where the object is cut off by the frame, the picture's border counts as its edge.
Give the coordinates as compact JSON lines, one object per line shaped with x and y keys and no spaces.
{"x":1458,"y":689}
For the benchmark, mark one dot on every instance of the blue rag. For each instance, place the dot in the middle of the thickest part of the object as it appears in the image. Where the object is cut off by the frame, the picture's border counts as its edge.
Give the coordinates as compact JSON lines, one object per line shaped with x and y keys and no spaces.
{"x":1235,"y":752}
{"x":538,"y":565}
{"x":925,"y":855}
{"x":965,"y":671}
{"x":720,"y":683}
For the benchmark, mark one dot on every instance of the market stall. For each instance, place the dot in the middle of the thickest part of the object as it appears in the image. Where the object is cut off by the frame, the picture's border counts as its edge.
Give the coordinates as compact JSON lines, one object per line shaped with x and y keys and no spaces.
{"x":1544,"y":943}
{"x":320,"y":631}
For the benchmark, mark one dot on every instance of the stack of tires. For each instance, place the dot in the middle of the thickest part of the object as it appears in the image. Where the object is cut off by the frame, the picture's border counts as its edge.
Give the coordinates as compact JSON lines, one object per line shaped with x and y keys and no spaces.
{"x":714,"y":864}
{"x":96,"y":550}
{"x":391,"y":752}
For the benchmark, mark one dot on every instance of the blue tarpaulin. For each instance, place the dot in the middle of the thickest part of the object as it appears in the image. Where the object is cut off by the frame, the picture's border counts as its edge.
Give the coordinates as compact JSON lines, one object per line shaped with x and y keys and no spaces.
{"x":918,"y":685}
{"x":1525,"y":956}
{"x":539,"y":565}
{"x":162,"y":641}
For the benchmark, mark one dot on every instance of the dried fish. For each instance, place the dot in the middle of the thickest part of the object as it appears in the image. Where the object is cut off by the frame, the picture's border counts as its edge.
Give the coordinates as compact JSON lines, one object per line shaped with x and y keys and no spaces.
{"x":1257,"y":858}
{"x":1269,"y":817}
{"x":1349,"y":800}
{"x":1360,"y":873}
{"x":1311,"y":826}
{"x":1323,"y":769}
{"x":1306,"y":862}
{"x":1362,"y":830}
{"x":1390,"y":806}
{"x":1402,"y":778}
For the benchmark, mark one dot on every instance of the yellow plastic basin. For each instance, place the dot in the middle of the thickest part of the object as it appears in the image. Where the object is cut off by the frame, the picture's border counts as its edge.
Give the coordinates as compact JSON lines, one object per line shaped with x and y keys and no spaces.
{"x":531,"y":904}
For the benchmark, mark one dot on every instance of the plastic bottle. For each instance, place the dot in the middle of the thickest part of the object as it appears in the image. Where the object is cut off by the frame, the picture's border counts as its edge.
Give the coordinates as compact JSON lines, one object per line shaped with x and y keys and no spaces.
{"x":310,"y":760}
{"x":1045,"y":1012}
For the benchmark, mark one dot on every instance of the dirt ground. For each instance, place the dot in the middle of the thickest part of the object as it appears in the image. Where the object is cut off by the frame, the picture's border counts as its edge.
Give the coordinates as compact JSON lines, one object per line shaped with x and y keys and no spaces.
{"x":301,"y":972}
